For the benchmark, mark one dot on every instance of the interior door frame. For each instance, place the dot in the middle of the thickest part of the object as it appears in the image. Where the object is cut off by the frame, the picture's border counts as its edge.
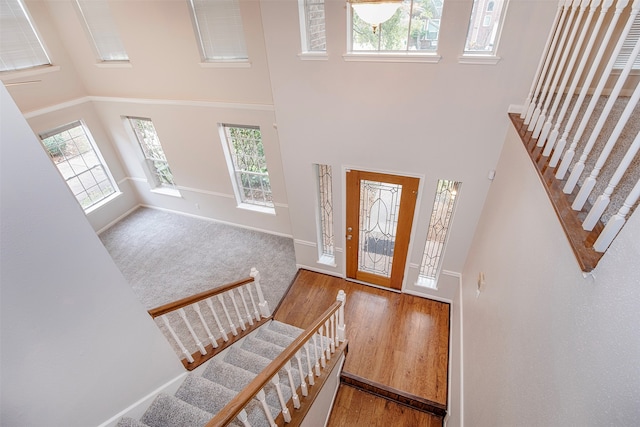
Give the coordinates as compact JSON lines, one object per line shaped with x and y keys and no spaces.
{"x":412,"y":234}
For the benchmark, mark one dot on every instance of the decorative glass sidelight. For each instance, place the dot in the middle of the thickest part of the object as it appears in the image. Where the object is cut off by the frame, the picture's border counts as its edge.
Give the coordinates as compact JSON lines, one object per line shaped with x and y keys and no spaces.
{"x":325,"y":213}
{"x":379,"y":207}
{"x":439,"y":225}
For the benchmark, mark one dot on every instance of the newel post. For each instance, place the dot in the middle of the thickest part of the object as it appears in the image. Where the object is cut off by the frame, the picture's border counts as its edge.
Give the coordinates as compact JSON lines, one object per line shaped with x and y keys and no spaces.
{"x":262,"y":303}
{"x":342,"y":297}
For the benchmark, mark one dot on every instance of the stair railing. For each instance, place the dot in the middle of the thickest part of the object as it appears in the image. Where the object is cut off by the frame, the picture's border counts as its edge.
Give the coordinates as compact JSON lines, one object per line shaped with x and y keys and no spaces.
{"x":204,"y":324}
{"x":326,"y":338}
{"x":582,"y":176}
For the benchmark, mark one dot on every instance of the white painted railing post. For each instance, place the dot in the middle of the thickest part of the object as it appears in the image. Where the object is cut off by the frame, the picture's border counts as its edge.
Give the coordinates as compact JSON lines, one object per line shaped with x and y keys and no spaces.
{"x":234,"y":331}
{"x":244,"y":419}
{"x":246,"y":307}
{"x":342,"y":297}
{"x":262,"y":303}
{"x":615,"y":223}
{"x":265,"y":407}
{"x":235,"y":307}
{"x":294,"y":395}
{"x":303,"y":382}
{"x":183,"y":349}
{"x":218,"y":323}
{"x":212,"y":339}
{"x":285,"y":411}
{"x":183,"y":315}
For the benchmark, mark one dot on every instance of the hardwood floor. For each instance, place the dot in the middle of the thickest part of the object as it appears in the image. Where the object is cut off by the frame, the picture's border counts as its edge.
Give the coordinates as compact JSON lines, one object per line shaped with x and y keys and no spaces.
{"x":397,"y":340}
{"x":354,"y":407}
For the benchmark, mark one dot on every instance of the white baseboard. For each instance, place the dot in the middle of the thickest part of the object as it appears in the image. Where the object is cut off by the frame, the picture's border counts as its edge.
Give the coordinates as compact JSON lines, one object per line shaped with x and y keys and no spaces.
{"x":320,"y":270}
{"x":112,"y":223}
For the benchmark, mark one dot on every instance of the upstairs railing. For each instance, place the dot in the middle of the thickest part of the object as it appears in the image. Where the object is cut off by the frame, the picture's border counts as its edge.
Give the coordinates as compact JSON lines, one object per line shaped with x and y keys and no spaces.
{"x":312,"y":354}
{"x":204,"y":324}
{"x":585,"y":151}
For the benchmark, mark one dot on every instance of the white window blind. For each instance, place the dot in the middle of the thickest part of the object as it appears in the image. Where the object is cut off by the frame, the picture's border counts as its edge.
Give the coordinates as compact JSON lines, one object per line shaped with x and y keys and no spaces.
{"x":627,"y":47}
{"x":218,"y":27}
{"x":102,"y":30}
{"x":20,"y":46}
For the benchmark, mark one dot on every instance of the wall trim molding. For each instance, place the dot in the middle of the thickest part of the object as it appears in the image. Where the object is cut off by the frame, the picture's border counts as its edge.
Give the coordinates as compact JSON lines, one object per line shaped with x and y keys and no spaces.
{"x":207,"y":192}
{"x":206,"y":218}
{"x":514,"y":108}
{"x":427,"y":296}
{"x":115,"y":221}
{"x":305,"y":243}
{"x":320,"y":270}
{"x":147,"y":101}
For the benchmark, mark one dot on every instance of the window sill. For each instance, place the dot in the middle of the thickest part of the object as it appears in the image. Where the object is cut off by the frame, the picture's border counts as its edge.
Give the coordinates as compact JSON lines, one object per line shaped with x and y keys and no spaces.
{"x":103,"y":202}
{"x":114,"y":64}
{"x":257,"y":208}
{"x":227,"y":63}
{"x":167,"y":191}
{"x":18,"y":74}
{"x":427,"y":282}
{"x":328,"y":260}
{"x":478,"y":59}
{"x":313,"y":56}
{"x":430,"y":58}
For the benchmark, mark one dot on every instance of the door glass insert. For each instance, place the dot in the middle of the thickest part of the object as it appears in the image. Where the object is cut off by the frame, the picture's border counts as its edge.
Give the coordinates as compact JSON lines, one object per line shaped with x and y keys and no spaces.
{"x":379,"y":207}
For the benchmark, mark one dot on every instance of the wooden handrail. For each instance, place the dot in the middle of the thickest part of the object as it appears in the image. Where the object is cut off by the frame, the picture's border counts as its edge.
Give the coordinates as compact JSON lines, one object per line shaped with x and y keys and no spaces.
{"x":184,"y":302}
{"x":235,"y":406}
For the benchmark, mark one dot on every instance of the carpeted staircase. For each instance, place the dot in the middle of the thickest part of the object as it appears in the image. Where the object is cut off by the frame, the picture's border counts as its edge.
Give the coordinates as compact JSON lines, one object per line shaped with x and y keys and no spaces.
{"x":202,"y":395}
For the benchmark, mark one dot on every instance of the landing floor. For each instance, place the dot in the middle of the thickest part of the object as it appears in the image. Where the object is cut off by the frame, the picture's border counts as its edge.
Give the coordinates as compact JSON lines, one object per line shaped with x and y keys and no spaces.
{"x":397,"y":340}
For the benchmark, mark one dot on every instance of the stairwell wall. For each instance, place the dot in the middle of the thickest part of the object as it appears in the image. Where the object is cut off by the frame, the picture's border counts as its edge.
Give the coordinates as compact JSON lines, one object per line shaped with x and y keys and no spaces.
{"x":543,"y":344}
{"x":76,"y":345}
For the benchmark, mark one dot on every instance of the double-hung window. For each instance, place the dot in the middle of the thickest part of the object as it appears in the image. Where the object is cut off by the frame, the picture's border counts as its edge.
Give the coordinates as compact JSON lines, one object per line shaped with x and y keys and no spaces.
{"x":219,"y":31}
{"x":78,"y":160}
{"x":20,"y":45}
{"x":155,"y":159}
{"x":248,"y":166}
{"x":312,"y":26}
{"x":100,"y":26}
{"x":414,"y":28}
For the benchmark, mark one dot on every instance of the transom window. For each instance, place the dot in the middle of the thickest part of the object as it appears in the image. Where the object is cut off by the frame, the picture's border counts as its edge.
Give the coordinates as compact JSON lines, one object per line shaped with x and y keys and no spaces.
{"x":414,"y":27}
{"x":312,"y":26}
{"x":218,"y":27}
{"x":79,"y":162}
{"x":485,"y":26}
{"x":247,"y":165}
{"x":102,"y":30}
{"x":20,"y":45}
{"x":155,"y":159}
{"x":439,"y":226}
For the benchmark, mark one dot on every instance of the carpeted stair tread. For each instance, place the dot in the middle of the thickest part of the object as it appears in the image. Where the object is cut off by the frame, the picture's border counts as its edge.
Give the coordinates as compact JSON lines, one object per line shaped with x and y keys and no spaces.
{"x":263,"y":348}
{"x":130,"y":422}
{"x":246,"y":359}
{"x":285,"y":329}
{"x":204,"y":394}
{"x":277,"y":338}
{"x":169,"y":411}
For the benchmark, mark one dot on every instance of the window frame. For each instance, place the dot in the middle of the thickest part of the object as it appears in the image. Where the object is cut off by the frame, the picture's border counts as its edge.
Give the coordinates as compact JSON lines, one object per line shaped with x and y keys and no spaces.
{"x":236,"y":174}
{"x":325,"y":224}
{"x":98,"y":155}
{"x":100,"y":48}
{"x":307,"y":52}
{"x":481,"y":15}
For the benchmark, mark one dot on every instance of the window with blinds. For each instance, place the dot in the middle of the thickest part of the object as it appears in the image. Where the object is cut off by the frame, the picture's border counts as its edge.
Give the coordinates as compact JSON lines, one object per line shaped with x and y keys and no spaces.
{"x":627,"y":47}
{"x":98,"y":21}
{"x":218,"y":28}
{"x":312,"y":26}
{"x":20,"y":45}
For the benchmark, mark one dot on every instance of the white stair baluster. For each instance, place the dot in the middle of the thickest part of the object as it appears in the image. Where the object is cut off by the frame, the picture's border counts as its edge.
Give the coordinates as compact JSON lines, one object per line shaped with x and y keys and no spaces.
{"x":183,"y":315}
{"x":615,"y":223}
{"x":234,"y":331}
{"x":556,"y":78}
{"x":215,"y":317}
{"x":235,"y":306}
{"x":267,"y":412}
{"x":242,"y":416}
{"x":310,"y":376}
{"x":570,"y":71}
{"x":323,"y":358}
{"x":294,"y":394}
{"x":543,"y":60}
{"x":568,"y":155}
{"x":183,"y":349}
{"x":342,"y":297}
{"x":262,"y":303}
{"x":590,"y":182}
{"x":285,"y":411}
{"x":553,"y":136}
{"x":212,"y":339}
{"x":317,"y":359}
{"x":256,"y":313}
{"x":553,"y":69}
{"x":303,"y":382}
{"x":246,"y":308}
{"x":332,"y":333}
{"x":327,"y":340}
{"x":603,"y":201}
{"x":546,"y":74}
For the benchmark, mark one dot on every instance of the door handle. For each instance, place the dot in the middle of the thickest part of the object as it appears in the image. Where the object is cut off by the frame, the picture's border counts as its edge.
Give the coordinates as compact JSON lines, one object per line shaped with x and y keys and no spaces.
{"x":349,"y":229}
{"x":348,"y":236}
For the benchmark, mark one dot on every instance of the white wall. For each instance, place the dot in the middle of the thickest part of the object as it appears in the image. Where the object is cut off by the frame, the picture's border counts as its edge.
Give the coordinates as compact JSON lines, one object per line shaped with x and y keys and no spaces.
{"x":435,"y":121}
{"x":543,"y":345}
{"x":77,"y":346}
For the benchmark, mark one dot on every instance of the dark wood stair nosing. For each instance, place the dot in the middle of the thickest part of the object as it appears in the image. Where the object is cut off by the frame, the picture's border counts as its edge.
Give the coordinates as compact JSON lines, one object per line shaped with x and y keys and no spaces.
{"x":390,"y":393}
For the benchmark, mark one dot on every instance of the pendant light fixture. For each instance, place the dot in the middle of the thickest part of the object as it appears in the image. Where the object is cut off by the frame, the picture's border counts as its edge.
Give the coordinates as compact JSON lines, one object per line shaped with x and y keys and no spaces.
{"x":375,"y":12}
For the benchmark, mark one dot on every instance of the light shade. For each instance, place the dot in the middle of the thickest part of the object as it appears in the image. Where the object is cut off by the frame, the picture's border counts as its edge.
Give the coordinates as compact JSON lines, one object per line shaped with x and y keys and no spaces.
{"x":375,"y":12}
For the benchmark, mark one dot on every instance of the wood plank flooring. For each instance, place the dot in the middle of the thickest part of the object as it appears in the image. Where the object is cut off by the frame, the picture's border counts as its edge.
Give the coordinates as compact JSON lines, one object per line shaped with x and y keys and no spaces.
{"x":397,"y":340}
{"x":354,"y":407}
